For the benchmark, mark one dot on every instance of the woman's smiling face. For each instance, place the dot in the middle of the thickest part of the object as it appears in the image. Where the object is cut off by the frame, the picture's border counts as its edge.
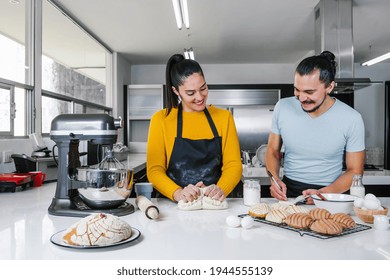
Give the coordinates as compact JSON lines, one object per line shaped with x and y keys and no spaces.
{"x":193,"y":93}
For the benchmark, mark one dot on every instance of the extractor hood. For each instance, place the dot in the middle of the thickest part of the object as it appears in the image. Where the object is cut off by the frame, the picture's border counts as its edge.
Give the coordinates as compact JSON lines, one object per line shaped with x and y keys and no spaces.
{"x":334,"y":32}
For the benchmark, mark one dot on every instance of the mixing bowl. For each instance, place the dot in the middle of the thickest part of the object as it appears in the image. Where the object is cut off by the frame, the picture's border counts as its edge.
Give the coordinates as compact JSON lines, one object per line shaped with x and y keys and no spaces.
{"x":104,"y":189}
{"x":335,"y":203}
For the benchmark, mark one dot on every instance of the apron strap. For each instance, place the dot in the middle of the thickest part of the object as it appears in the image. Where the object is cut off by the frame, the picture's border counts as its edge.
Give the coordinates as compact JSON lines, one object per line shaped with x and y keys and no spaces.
{"x":211,"y":123}
{"x":180,"y":122}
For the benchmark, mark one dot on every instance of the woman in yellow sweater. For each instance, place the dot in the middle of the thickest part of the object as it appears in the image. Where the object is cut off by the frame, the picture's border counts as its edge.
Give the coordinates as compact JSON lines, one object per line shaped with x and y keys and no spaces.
{"x":190,"y":144}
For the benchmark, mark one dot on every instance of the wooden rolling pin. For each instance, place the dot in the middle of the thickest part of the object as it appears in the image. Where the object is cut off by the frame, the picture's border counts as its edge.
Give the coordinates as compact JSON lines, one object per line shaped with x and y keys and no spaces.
{"x":145,"y":205}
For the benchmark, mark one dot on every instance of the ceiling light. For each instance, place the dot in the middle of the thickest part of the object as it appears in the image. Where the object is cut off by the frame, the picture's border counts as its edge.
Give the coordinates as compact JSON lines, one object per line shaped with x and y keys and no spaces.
{"x":189,"y":54}
{"x":180,"y":8}
{"x":376,"y":60}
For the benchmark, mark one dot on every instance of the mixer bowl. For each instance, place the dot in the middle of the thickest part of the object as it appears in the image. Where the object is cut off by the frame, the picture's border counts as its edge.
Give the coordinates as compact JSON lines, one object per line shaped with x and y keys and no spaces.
{"x":105,"y":189}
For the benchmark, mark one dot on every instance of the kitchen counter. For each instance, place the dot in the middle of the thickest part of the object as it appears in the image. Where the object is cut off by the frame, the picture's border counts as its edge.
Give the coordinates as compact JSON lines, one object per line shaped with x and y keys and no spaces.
{"x":26,"y":228}
{"x":135,"y":161}
{"x":377,"y":177}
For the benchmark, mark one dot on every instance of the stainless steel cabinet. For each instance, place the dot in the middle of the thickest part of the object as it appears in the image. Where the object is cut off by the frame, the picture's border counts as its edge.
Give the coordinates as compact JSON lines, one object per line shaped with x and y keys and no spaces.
{"x":142,"y":102}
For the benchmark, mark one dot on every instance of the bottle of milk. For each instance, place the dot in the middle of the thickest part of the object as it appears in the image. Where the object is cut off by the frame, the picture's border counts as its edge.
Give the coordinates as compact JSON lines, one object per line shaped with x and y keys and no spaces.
{"x":357,"y":188}
{"x":252,"y":192}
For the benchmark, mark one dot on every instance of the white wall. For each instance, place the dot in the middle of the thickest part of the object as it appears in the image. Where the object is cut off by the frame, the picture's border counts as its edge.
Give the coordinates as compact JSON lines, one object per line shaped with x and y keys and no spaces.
{"x":368,"y":101}
{"x":221,"y":73}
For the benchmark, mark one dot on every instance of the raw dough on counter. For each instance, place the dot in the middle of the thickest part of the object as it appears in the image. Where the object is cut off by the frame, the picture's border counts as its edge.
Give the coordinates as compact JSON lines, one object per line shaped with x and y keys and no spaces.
{"x":203,"y":202}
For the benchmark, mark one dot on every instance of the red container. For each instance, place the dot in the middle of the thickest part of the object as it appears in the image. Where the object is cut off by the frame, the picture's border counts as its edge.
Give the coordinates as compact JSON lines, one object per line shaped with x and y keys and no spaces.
{"x":38,"y":177}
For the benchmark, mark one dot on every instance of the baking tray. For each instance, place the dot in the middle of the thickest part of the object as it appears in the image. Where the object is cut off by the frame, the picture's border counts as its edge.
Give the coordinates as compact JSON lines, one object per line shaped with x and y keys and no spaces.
{"x":302,"y":232}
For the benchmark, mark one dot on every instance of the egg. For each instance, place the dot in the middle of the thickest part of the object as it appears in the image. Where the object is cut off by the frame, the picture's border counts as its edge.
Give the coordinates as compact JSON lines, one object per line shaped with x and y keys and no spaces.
{"x":371,"y":204}
{"x":370,"y":196}
{"x":247,"y":222}
{"x":358,"y":202}
{"x":233,"y":221}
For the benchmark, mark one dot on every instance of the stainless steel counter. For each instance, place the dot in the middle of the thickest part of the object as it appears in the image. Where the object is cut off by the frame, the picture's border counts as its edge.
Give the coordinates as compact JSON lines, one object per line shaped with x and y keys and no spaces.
{"x":379,"y":177}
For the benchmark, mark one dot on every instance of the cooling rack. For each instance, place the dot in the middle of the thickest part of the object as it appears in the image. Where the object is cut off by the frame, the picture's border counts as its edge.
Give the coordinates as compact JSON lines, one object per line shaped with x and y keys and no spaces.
{"x":302,"y":232}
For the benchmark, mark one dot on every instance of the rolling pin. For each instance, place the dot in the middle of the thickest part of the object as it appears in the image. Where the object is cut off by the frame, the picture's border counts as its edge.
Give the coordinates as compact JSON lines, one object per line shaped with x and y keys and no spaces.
{"x":145,"y":205}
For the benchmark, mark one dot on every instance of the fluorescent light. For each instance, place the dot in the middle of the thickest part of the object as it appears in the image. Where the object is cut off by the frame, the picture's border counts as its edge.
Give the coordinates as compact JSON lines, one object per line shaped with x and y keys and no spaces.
{"x":184,"y":12}
{"x":189,"y":54}
{"x":180,"y":7}
{"x":177,"y":10}
{"x":376,"y":60}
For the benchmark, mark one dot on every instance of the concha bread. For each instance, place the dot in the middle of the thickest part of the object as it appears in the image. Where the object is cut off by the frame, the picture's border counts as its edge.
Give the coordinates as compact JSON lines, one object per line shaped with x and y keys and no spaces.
{"x":319,"y":213}
{"x":297,"y":209}
{"x":345,"y":220}
{"x":97,"y":230}
{"x":280,"y":205}
{"x":277,"y":216}
{"x":259,"y":210}
{"x":326,"y":226}
{"x":299,"y":220}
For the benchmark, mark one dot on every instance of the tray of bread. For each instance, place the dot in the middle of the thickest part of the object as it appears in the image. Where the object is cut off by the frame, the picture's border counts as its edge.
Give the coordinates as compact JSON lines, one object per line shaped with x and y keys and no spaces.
{"x":315,"y":222}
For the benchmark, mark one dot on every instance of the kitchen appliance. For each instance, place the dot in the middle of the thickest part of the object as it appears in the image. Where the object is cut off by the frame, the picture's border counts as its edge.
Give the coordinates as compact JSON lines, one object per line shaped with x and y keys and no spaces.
{"x":39,"y":147}
{"x":252,"y":109}
{"x":333,"y":32}
{"x":11,"y":181}
{"x":67,"y":130}
{"x":387,"y":126}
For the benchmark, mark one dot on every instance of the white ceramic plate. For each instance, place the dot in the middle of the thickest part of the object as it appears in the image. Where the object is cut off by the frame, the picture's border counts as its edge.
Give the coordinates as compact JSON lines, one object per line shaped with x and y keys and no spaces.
{"x":57,"y":240}
{"x":260,"y":154}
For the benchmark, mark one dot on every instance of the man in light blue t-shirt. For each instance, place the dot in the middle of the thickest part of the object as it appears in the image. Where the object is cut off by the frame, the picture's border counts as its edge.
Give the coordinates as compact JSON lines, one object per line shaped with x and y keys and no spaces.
{"x":315,"y":130}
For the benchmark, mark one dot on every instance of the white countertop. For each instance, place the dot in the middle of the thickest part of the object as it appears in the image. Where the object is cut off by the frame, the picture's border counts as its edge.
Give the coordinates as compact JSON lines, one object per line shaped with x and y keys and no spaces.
{"x":26,"y":228}
{"x":375,"y":177}
{"x":135,"y":161}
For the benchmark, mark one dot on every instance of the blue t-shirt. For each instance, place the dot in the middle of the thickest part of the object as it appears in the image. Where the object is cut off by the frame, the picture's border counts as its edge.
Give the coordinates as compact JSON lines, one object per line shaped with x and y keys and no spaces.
{"x":314,"y":147}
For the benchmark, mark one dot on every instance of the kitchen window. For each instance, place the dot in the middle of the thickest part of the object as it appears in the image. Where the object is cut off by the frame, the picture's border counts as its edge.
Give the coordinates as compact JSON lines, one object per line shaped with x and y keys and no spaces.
{"x":72,"y":76}
{"x":6,"y":101}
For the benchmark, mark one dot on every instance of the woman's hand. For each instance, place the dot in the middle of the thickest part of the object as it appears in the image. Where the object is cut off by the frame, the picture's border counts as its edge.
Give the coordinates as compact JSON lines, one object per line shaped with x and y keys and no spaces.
{"x":189,"y":193}
{"x":215,"y":192}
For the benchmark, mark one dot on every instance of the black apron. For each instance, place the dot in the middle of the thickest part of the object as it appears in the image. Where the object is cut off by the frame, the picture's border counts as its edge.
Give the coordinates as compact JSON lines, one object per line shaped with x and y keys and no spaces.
{"x":193,"y":161}
{"x":295,"y":188}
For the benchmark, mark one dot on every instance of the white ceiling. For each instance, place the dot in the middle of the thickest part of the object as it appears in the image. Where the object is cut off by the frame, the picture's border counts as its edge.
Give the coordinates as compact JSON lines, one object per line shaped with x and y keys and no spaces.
{"x":221,"y":31}
{"x":225,"y":31}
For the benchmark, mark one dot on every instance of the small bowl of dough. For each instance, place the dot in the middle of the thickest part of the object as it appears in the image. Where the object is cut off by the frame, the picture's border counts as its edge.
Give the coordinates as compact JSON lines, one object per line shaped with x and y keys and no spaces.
{"x":335,"y":202}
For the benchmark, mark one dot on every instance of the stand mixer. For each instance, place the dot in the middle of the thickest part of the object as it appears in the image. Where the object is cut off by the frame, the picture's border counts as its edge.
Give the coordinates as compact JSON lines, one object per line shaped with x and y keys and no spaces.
{"x":67,"y":130}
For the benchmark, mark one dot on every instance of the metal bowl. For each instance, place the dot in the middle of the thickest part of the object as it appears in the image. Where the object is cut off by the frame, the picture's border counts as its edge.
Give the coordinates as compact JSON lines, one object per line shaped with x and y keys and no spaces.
{"x":105,"y":189}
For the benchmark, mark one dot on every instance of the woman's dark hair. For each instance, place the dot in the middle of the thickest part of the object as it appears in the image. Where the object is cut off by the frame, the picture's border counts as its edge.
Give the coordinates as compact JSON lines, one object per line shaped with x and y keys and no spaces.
{"x":324,"y":62}
{"x":178,"y":69}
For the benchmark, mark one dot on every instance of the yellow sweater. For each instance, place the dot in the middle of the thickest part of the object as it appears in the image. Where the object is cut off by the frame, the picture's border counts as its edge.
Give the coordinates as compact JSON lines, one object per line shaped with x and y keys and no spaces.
{"x":162,"y":134}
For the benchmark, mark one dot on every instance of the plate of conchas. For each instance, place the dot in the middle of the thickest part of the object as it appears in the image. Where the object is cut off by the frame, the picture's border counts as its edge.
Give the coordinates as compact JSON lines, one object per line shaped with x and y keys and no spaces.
{"x":99,"y":230}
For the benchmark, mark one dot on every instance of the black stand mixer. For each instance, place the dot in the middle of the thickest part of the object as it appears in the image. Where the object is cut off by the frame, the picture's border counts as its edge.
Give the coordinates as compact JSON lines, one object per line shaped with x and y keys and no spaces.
{"x":67,"y":131}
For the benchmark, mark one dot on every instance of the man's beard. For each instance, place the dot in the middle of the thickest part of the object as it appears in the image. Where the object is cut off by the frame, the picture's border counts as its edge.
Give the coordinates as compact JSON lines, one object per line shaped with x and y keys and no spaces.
{"x":315,"y":108}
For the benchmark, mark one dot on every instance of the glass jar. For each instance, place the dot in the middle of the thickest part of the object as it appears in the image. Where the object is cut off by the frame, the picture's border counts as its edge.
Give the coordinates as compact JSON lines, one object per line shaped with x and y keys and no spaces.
{"x":357,"y":187}
{"x":252,"y":192}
